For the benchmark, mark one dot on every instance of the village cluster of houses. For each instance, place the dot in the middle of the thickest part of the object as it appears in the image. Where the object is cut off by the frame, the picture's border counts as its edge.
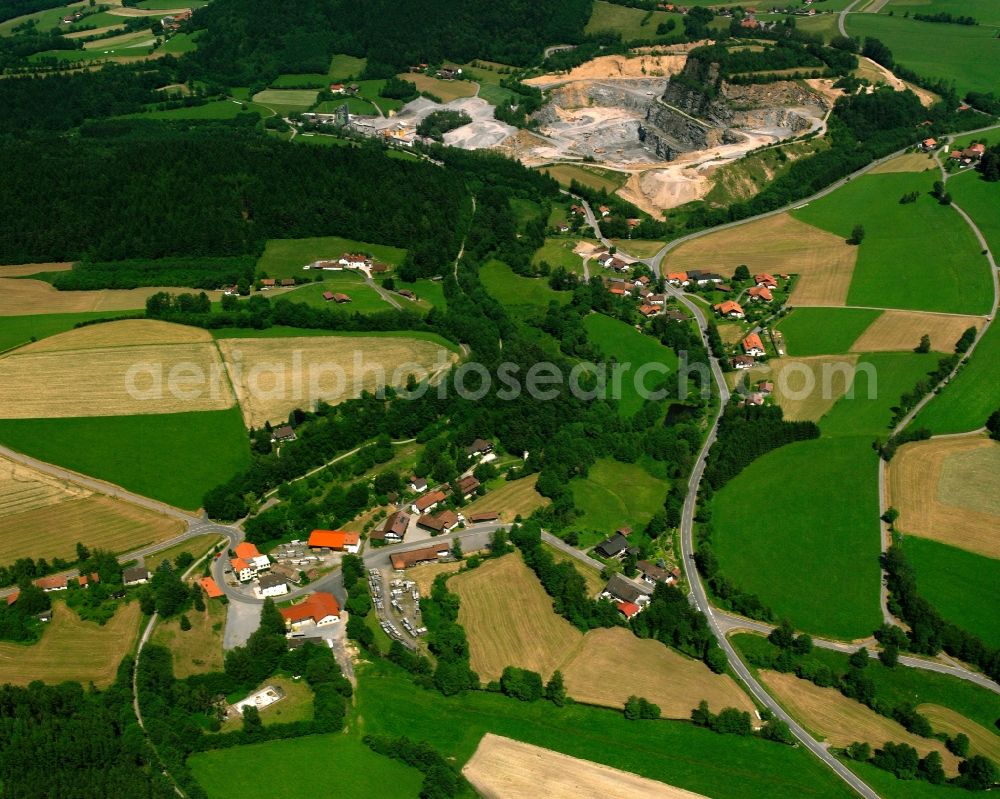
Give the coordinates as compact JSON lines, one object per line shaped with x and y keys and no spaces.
{"x":173,"y":22}
{"x":632,"y":595}
{"x":349,"y":260}
{"x":446,"y":72}
{"x":967,"y":157}
{"x":651,"y":303}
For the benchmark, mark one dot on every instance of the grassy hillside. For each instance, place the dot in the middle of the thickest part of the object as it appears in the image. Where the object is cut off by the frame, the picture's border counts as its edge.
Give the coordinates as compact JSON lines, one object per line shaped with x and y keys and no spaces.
{"x":824,"y":331}
{"x":919,"y":256}
{"x":173,"y":457}
{"x":613,"y":495}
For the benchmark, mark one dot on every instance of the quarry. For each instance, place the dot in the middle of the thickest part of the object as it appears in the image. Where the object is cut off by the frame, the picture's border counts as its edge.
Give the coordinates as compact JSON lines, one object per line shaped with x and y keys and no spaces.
{"x":656,"y":123}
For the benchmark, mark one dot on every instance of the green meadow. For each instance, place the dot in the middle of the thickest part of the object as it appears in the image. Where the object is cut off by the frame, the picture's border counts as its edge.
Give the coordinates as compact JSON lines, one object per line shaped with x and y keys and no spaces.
{"x":720,"y":766}
{"x":286,"y":257}
{"x":217,"y":109}
{"x":559,"y":252}
{"x":961,"y":585}
{"x":920,"y":256}
{"x":344,"y":67}
{"x":313,"y":766}
{"x":614,"y":494}
{"x":279,"y":331}
{"x":631,"y":23}
{"x":968,"y":400}
{"x":623,"y":344}
{"x":824,"y":331}
{"x":364,"y":299}
{"x":174,"y":458}
{"x":521,"y":295}
{"x":967,"y":55}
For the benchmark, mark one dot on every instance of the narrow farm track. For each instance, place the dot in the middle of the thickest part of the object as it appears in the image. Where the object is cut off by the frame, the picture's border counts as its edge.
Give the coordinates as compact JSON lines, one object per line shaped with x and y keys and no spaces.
{"x":886,"y":532}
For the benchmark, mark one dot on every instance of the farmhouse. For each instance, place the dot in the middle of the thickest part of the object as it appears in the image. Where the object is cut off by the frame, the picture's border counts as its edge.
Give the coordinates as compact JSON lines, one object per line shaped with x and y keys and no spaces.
{"x":618,"y":291}
{"x":267,"y":283}
{"x":648,"y":310}
{"x":210,"y":587}
{"x":703,"y":278}
{"x":404,"y":560}
{"x":468,"y":486}
{"x":642,"y":280}
{"x":729,"y":309}
{"x":341,"y":298}
{"x":251,"y":555}
{"x":135,"y":575}
{"x":613,"y":547}
{"x":354,"y":260}
{"x":337,"y":88}
{"x":657,"y":299}
{"x":320,"y":609}
{"x":628,"y":609}
{"x":485,"y":516}
{"x":760,"y":294}
{"x":621,"y":589}
{"x":243,"y":570}
{"x":928,"y":144}
{"x":282,"y":433}
{"x":479,"y":448}
{"x":272,"y":585}
{"x":428,"y":502}
{"x":407,"y":294}
{"x":752,"y":345}
{"x":678,"y":279}
{"x":418,"y":484}
{"x":765,"y":387}
{"x":287,"y":282}
{"x":443,"y":522}
{"x":605,"y":211}
{"x":765,"y":280}
{"x":337,"y":540}
{"x":653,"y":574}
{"x":675,"y":316}
{"x":394,"y":528}
{"x":328,"y":296}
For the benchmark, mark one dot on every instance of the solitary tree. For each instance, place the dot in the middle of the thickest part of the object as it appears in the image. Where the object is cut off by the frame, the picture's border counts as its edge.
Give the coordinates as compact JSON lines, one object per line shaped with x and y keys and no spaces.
{"x":185,"y":623}
{"x":924,"y":345}
{"x":555,"y":690}
{"x":857,"y":235}
{"x":859,"y":659}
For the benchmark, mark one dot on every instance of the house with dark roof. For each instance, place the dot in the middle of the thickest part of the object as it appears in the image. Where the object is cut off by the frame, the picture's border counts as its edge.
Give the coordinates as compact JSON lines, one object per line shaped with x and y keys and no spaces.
{"x":272,"y":585}
{"x":428,"y":502}
{"x":394,"y":529}
{"x":135,"y":575}
{"x":478,"y":448}
{"x":418,"y":484}
{"x":468,"y":486}
{"x":443,"y":522}
{"x":621,"y":589}
{"x":283,"y":433}
{"x":653,"y":573}
{"x":614,"y":547}
{"x":404,"y":560}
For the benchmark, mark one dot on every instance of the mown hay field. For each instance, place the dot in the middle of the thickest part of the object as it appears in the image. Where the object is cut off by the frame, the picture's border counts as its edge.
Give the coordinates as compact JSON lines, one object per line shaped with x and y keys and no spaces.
{"x":446,"y":90}
{"x":982,"y":741}
{"x":674,"y":682}
{"x":596,"y":178}
{"x":20,"y":270}
{"x":909,"y":162}
{"x":510,"y":499}
{"x":896,"y":331}
{"x":72,"y":649}
{"x":23,"y":296}
{"x":24,"y":489}
{"x":805,"y":388}
{"x":778,"y":244}
{"x":124,"y":333}
{"x":503,"y":768}
{"x":841,"y":721}
{"x":425,"y":574}
{"x":509,"y":620}
{"x":944,"y":490}
{"x":96,"y":521}
{"x":273,"y":377}
{"x":112,"y":381}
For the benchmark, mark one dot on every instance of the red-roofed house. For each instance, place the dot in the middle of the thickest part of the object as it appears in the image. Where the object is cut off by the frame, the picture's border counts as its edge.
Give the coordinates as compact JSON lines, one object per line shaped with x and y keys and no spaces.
{"x":428,"y":502}
{"x":765,"y":280}
{"x":729,"y":309}
{"x":929,"y":144}
{"x":760,"y":294}
{"x":341,"y":298}
{"x":604,"y":210}
{"x":318,"y":610}
{"x":328,"y":295}
{"x":251,"y":555}
{"x":649,"y":310}
{"x":752,"y":345}
{"x":337,"y":540}
{"x":12,"y":598}
{"x":628,"y":609}
{"x":210,"y":587}
{"x":677,"y":278}
{"x":243,"y":570}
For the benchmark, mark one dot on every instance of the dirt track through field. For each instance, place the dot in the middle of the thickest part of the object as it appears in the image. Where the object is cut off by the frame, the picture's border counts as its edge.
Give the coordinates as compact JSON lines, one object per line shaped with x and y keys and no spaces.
{"x":503,"y":768}
{"x":943,"y":489}
{"x":660,"y":674}
{"x":900,"y":331}
{"x":842,"y":721}
{"x":273,"y":377}
{"x":777,"y":245}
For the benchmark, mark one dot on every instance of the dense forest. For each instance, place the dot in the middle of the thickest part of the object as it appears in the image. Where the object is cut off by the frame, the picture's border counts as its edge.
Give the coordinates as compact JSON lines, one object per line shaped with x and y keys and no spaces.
{"x":173,"y":191}
{"x":245,"y":41}
{"x":15,"y":8}
{"x":74,"y":743}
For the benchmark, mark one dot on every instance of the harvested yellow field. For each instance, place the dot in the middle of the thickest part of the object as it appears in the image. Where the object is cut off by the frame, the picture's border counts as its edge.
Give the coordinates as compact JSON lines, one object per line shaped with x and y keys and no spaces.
{"x":273,"y":377}
{"x":805,"y":388}
{"x":900,"y":331}
{"x":777,"y":245}
{"x":99,"y":522}
{"x":674,"y":682}
{"x":24,"y":489}
{"x":447,"y":90}
{"x":982,"y":740}
{"x":19,"y":270}
{"x":502,"y":768}
{"x":23,"y":297}
{"x":841,"y":721}
{"x":910,"y":162}
{"x":509,"y":620}
{"x":616,"y":67}
{"x":112,"y":381}
{"x":944,"y":489}
{"x":72,"y":649}
{"x":198,"y":650}
{"x":425,"y":574}
{"x":128,"y":332}
{"x":513,"y":498}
